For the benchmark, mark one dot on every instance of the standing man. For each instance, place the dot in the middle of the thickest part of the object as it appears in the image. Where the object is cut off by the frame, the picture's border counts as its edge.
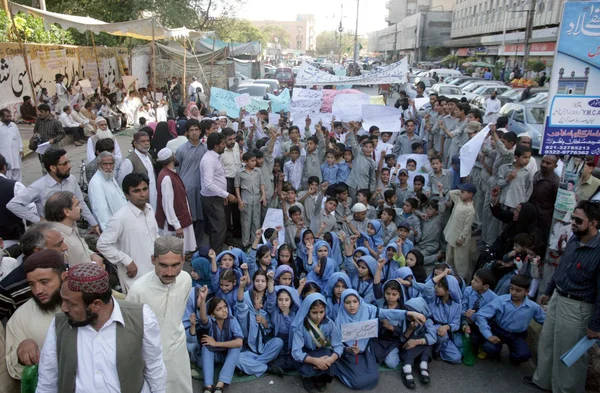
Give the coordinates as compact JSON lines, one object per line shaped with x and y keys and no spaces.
{"x":11,"y":145}
{"x":189,"y":157}
{"x":59,"y":178}
{"x":195,"y":90}
{"x":574,"y":308}
{"x":492,"y":107}
{"x":26,"y":329}
{"x":102,"y":133}
{"x":166,"y":290}
{"x":214,"y":190}
{"x":173,"y":212}
{"x":545,"y":189}
{"x":230,"y":159}
{"x":129,"y":237}
{"x":105,"y":195}
{"x":47,"y":129}
{"x":100,"y":343}
{"x":139,"y":161}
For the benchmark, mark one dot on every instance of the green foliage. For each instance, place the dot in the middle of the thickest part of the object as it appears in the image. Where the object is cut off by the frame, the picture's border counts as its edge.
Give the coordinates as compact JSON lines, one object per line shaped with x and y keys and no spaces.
{"x":436,"y":52}
{"x":271,"y":32}
{"x":237,"y":30}
{"x":536,"y":65}
{"x":31,"y":29}
{"x":328,"y":41}
{"x":451,"y":60}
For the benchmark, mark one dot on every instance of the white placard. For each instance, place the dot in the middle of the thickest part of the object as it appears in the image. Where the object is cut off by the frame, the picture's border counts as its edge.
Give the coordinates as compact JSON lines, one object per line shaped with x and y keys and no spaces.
{"x":306,"y":94}
{"x":387,"y":118}
{"x":158,"y":97}
{"x":348,"y":107}
{"x":470,"y":150}
{"x":86,"y":86}
{"x":419,"y":102}
{"x":42,"y":147}
{"x":421,"y":159}
{"x":273,"y":219}
{"x":243,"y":100}
{"x":274,"y":118}
{"x":360,"y":330}
{"x":128,"y":82}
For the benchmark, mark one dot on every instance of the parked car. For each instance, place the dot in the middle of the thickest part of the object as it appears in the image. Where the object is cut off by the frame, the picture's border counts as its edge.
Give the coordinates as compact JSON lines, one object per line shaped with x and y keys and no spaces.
{"x":443,"y":89}
{"x":285,"y":76}
{"x":537,"y":98}
{"x":471,"y":87}
{"x":486,"y":91}
{"x":514,"y":94}
{"x":445,"y":72}
{"x":527,"y":118}
{"x":255,"y":90}
{"x":274,"y":83}
{"x":461,"y":80}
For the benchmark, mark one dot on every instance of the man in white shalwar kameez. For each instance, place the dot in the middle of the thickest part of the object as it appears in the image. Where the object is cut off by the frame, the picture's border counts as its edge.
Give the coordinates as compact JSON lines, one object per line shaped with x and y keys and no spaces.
{"x":128,"y":239}
{"x":166,"y":290}
{"x":105,"y":194}
{"x":492,"y":107}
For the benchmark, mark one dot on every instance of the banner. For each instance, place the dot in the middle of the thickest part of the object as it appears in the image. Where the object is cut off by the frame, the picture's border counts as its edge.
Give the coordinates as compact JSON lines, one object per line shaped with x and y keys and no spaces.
{"x":281,"y":102}
{"x":572,"y":124}
{"x":470,"y":150}
{"x":393,"y":73}
{"x":387,"y":118}
{"x":348,"y":107}
{"x":224,"y":100}
{"x":329,"y":96}
{"x":274,"y":219}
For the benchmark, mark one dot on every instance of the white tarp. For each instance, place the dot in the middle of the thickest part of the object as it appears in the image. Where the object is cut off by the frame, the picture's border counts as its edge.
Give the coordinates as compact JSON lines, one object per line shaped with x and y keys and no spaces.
{"x":394,"y":73}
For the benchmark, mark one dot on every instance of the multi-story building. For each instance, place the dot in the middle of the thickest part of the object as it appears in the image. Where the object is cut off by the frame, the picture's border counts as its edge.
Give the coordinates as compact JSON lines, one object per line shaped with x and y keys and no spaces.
{"x":400,"y":9}
{"x":300,"y":31}
{"x":478,"y":28}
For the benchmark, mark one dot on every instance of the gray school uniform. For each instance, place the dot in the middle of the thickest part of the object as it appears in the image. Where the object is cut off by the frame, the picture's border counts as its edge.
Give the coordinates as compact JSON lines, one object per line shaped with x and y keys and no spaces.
{"x":449,"y":122}
{"x":309,"y":207}
{"x":319,"y":216}
{"x":313,"y":161}
{"x":445,"y":178}
{"x":249,"y":184}
{"x":389,"y":232}
{"x":363,"y":173}
{"x":371,"y":213}
{"x":360,"y":226}
{"x":403,"y":194}
{"x":458,"y":141}
{"x":290,"y":234}
{"x":414,"y":222}
{"x":342,"y":211}
{"x":430,"y":242}
{"x":403,"y":144}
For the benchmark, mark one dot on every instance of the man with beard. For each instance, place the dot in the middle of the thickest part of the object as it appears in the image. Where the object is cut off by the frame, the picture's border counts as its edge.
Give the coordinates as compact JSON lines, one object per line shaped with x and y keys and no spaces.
{"x":545,"y":189}
{"x":189,"y":157}
{"x":63,"y":210}
{"x":166,"y":291}
{"x":14,"y":289}
{"x":102,"y":132}
{"x":129,"y":237}
{"x":139,"y":161}
{"x":106,"y":197}
{"x":574,"y":309}
{"x":492,"y":107}
{"x":26,"y":329}
{"x":100,"y":343}
{"x":173,"y":212}
{"x":59,"y":178}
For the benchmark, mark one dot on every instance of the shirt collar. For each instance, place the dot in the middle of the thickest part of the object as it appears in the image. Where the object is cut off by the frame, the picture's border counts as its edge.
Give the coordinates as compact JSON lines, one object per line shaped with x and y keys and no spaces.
{"x":136,"y":210}
{"x":64,"y":228}
{"x":117,"y":315}
{"x":2,"y":175}
{"x":49,"y":180}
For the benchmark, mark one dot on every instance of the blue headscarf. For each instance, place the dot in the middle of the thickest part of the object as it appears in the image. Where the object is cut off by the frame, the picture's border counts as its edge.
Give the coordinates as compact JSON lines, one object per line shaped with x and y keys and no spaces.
{"x":370,"y":262}
{"x":442,"y":311}
{"x":336,"y":250}
{"x":418,"y":304}
{"x":236,"y":260}
{"x":309,"y":281}
{"x":242,"y":257}
{"x":454,"y":289}
{"x":319,"y":244}
{"x":202,"y":266}
{"x":301,"y":250}
{"x":283,"y":269}
{"x":326,"y":272}
{"x":298,"y":323}
{"x":404,"y":273}
{"x":364,"y":250}
{"x":293,"y":295}
{"x":333,"y":280}
{"x":365,"y":312}
{"x":377,"y":238}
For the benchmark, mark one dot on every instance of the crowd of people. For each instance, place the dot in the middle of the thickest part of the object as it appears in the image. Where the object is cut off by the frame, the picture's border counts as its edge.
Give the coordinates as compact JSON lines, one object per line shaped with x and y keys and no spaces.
{"x":376,"y":225}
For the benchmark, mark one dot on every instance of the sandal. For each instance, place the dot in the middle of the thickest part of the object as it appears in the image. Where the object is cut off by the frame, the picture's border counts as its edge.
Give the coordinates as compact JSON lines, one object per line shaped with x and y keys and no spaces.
{"x":218,"y":389}
{"x":207,"y":389}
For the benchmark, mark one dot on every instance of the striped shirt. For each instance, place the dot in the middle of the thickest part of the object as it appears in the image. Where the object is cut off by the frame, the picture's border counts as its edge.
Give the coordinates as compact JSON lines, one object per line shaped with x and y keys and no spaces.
{"x":578,"y":274}
{"x":49,"y":128}
{"x":14,"y":292}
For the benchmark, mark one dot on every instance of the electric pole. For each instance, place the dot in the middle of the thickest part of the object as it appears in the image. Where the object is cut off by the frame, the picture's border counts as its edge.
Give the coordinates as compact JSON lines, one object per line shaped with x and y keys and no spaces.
{"x":528,"y":31}
{"x":356,"y":36}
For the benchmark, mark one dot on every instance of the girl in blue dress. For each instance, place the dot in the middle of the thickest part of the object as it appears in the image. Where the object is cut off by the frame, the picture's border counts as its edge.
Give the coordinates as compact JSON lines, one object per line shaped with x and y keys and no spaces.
{"x":336,"y":285}
{"x":282,"y":304}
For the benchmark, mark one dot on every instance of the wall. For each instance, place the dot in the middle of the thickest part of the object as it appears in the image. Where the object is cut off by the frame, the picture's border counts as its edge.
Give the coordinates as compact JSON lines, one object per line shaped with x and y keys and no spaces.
{"x":301,"y":31}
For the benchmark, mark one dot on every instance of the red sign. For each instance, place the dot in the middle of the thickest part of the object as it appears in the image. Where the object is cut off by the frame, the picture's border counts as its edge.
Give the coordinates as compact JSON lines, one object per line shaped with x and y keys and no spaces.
{"x":536,"y":47}
{"x":462,"y":52}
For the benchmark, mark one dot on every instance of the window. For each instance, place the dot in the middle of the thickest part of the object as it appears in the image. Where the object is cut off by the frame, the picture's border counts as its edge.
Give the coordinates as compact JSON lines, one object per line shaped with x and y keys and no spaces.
{"x":519,"y":115}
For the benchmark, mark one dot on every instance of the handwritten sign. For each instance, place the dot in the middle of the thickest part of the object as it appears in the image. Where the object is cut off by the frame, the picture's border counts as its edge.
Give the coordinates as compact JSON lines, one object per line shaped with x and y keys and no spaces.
{"x":242,"y":100}
{"x":387,"y":118}
{"x":87,"y":86}
{"x":306,"y":94}
{"x":281,"y":102}
{"x":274,"y":118}
{"x":224,"y":100}
{"x":360,"y":330}
{"x":306,"y":100}
{"x":53,"y":58}
{"x":419,"y":102}
{"x":273,"y":219}
{"x":348,"y":107}
{"x":309,"y":75}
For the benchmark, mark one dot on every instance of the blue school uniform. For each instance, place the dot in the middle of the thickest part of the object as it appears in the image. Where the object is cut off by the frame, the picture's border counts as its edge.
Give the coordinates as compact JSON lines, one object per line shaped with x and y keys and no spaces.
{"x":407,"y":245}
{"x":330,"y":173}
{"x":228,"y":356}
{"x":376,"y":239}
{"x":323,"y":276}
{"x":360,"y":371}
{"x":306,"y":343}
{"x":302,"y":252}
{"x":363,"y":287}
{"x":259,"y":349}
{"x":412,"y":291}
{"x":201,"y":266}
{"x":343,"y":172}
{"x":280,"y":271}
{"x":332,"y":304}
{"x":282,"y":325}
{"x":335,"y":252}
{"x":391,"y":265}
{"x":253,"y":265}
{"x":501,"y":318}
{"x":448,"y":313}
{"x":320,"y":244}
{"x":472,"y":300}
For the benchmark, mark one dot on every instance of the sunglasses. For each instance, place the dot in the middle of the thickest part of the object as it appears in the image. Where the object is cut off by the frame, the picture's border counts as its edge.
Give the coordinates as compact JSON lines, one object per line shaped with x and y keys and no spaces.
{"x":577,"y":220}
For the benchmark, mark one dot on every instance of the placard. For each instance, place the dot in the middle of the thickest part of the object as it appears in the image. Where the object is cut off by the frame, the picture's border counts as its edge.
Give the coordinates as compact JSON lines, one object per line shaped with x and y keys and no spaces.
{"x":360,"y":330}
{"x":348,"y":107}
{"x":470,"y":150}
{"x":224,"y":100}
{"x":242,"y":100}
{"x":387,"y":118}
{"x":274,"y":219}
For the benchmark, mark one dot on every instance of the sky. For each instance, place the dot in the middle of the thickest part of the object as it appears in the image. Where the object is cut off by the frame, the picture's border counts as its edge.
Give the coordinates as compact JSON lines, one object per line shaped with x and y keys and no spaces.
{"x":371,"y":15}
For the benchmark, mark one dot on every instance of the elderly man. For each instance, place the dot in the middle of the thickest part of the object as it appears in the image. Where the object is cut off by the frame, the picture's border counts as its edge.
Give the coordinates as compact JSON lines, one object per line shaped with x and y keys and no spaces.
{"x":14,"y":289}
{"x":26,"y":329}
{"x":71,"y":126}
{"x":106,"y":197}
{"x":129,"y":237}
{"x":100,"y":343}
{"x":173,"y":212}
{"x":63,"y":210}
{"x":11,"y":145}
{"x":102,"y":132}
{"x":139,"y":161}
{"x":88,"y":127}
{"x":166,"y":290}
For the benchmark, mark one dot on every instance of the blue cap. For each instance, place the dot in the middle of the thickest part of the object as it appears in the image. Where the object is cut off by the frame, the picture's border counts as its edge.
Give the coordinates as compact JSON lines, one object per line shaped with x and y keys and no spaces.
{"x":468,"y":187}
{"x":404,"y":224}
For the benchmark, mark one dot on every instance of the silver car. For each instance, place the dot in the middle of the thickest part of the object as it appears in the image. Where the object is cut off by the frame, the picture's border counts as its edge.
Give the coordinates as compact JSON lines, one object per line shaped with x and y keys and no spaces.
{"x":527,"y":118}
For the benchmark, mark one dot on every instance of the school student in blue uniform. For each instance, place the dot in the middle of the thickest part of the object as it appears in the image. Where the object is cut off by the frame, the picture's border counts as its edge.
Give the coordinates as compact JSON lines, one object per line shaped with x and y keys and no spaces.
{"x":361,"y":272}
{"x":475,"y":297}
{"x":316,"y":343}
{"x":260,"y":257}
{"x":283,"y":303}
{"x":505,"y":321}
{"x":222,"y":344}
{"x":322,"y":268}
{"x":336,"y":285}
{"x":259,"y":348}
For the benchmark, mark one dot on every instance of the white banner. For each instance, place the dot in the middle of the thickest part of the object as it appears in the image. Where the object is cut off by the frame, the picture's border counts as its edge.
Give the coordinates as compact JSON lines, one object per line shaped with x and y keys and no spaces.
{"x":394,"y":73}
{"x":306,"y":100}
{"x":470,"y":151}
{"x":348,"y":107}
{"x":387,"y":118}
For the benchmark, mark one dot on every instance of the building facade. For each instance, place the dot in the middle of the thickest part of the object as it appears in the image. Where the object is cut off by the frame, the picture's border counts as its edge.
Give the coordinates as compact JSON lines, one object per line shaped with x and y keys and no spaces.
{"x":397,"y":10}
{"x":301,"y":31}
{"x":478,"y":28}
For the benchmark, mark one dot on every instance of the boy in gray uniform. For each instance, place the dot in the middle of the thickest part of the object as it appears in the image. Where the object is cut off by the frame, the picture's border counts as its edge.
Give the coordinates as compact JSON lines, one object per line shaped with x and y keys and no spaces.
{"x":250,"y":192}
{"x":315,"y":155}
{"x":363,"y":174}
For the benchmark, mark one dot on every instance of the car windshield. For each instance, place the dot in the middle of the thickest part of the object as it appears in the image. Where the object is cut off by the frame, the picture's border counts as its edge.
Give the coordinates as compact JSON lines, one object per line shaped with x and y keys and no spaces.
{"x":283,"y":75}
{"x":255,"y":91}
{"x":480,"y":89}
{"x":511,"y":93}
{"x":538,"y":98}
{"x":470,"y":87}
{"x":449,"y":90}
{"x":535,"y":115}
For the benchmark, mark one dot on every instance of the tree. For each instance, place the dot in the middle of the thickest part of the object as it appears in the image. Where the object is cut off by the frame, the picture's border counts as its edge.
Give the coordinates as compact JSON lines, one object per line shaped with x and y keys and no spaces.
{"x":237,"y":30}
{"x":436,"y":52}
{"x":276,"y":35}
{"x":329,"y":41}
{"x":31,"y":29}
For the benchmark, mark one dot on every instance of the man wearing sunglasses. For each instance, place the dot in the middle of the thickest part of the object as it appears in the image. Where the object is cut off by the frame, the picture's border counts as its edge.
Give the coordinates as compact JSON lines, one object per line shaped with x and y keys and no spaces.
{"x":574,"y":307}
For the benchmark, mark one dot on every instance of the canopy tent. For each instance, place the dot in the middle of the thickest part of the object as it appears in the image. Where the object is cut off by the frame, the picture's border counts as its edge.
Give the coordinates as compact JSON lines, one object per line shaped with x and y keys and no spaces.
{"x":206,"y":44}
{"x":140,"y":29}
{"x":477,"y":64}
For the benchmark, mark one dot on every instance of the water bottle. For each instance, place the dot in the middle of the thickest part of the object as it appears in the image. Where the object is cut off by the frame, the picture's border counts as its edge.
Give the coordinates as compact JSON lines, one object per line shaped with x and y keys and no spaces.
{"x":468,"y":355}
{"x":29,"y":379}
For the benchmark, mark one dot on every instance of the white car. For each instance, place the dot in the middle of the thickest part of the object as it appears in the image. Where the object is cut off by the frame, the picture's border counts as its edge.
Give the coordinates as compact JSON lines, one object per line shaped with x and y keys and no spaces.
{"x":257,"y":90}
{"x":486,"y":91}
{"x":444,"y":89}
{"x":471,"y":87}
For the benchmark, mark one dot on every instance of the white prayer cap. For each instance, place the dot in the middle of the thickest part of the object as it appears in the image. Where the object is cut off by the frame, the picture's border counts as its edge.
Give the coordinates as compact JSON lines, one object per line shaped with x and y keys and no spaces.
{"x":524,"y":134}
{"x":222,"y":117}
{"x":100,"y":119}
{"x":223,"y":113}
{"x":359,"y":208}
{"x":164,"y":154}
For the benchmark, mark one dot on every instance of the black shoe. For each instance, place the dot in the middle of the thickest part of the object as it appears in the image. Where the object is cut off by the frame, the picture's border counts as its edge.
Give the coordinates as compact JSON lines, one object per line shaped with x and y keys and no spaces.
{"x":436,"y":356}
{"x":424,"y":378}
{"x":321,"y":385}
{"x":309,"y":385}
{"x":527,"y":380}
{"x":274,"y":370}
{"x":409,"y":383}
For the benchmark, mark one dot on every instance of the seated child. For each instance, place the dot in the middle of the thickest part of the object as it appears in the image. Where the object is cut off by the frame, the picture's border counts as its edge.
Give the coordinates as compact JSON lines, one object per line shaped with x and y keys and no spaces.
{"x":337,"y":283}
{"x":364,"y":196}
{"x":475,"y":297}
{"x":388,"y":215}
{"x":408,"y":209}
{"x":505,"y":321}
{"x":512,"y":261}
{"x":282,"y":305}
{"x":361,"y":271}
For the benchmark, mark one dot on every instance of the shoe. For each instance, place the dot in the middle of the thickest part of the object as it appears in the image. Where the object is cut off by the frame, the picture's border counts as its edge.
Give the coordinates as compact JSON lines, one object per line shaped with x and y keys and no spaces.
{"x":274,"y":370}
{"x":424,"y":378}
{"x":527,"y":380}
{"x":309,"y":385}
{"x":481,"y":354}
{"x":409,"y":383}
{"x":321,"y":385}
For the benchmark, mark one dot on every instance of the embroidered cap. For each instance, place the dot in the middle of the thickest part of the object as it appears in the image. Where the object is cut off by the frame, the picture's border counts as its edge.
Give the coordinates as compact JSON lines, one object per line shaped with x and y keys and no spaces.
{"x":88,"y":278}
